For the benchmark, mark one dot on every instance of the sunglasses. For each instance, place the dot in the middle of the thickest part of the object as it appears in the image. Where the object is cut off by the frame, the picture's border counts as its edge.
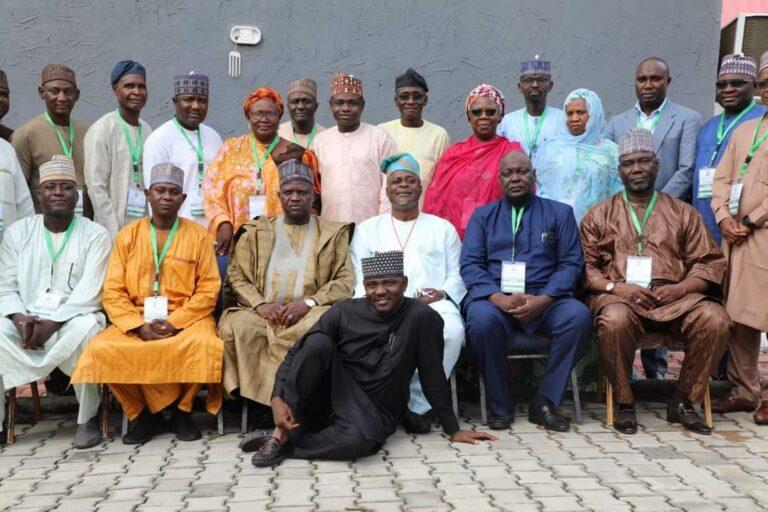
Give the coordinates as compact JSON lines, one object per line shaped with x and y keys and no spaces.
{"x":478,"y":112}
{"x":736,"y":84}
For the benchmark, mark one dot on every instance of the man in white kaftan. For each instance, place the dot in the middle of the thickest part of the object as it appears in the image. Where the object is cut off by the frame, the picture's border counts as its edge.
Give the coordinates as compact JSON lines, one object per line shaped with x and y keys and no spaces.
{"x":431,"y":249}
{"x":52,"y":269}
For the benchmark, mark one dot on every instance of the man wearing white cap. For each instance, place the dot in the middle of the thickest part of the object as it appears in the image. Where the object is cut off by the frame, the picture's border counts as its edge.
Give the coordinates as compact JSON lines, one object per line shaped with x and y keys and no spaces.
{"x":52,"y":268}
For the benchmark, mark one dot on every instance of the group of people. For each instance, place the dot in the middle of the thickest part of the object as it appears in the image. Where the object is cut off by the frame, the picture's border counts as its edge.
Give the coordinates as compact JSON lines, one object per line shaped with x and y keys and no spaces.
{"x":330,"y":277}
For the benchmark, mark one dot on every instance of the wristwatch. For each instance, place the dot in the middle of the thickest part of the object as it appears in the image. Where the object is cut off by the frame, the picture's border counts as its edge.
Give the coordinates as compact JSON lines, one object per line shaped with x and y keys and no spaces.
{"x":610,"y":286}
{"x":747,"y":222}
{"x":310,"y":302}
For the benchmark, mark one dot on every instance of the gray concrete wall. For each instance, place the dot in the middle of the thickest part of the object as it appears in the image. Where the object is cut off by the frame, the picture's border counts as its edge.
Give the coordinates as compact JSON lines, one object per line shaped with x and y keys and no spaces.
{"x":454,"y":44}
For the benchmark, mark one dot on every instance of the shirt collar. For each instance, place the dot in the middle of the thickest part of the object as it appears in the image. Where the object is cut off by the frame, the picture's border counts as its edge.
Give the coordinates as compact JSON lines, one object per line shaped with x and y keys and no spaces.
{"x":654,"y":113}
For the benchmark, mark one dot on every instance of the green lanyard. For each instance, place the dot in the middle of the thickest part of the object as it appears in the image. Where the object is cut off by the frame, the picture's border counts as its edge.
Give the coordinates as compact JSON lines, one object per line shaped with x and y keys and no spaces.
{"x":49,"y":244}
{"x":654,"y":121}
{"x":517,"y":217}
{"x":67,"y":150}
{"x":166,"y":246}
{"x":133,"y":146}
{"x":198,"y":150}
{"x":532,"y":142}
{"x":722,"y":132}
{"x":756,"y":142}
{"x":639,"y":227}
{"x":311,"y":135}
{"x":259,"y":161}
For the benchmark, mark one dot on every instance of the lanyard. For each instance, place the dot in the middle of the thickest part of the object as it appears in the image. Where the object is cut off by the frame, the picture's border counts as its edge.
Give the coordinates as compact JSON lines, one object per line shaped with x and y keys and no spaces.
{"x":198,"y":150}
{"x":532,"y":142}
{"x":517,"y":217}
{"x":722,"y":132}
{"x":654,"y":120}
{"x":756,"y":142}
{"x":259,"y":161}
{"x":49,"y":244}
{"x":67,"y":150}
{"x":133,"y":146}
{"x":639,"y":227}
{"x":311,"y":135}
{"x":166,"y":246}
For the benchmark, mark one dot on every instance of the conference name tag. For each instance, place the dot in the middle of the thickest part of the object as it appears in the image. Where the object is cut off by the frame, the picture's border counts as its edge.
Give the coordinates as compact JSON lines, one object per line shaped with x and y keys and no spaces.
{"x":79,"y":205}
{"x":48,"y":301}
{"x":155,"y":308}
{"x":733,"y":202}
{"x":513,"y":276}
{"x":639,"y":269}
{"x":197,"y":203}
{"x":706,"y":176}
{"x":137,"y":203}
{"x":256,"y":205}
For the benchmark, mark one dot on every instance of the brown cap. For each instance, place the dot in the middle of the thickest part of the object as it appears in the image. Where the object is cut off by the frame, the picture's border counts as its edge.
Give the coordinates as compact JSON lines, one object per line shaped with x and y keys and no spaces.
{"x":58,"y":72}
{"x":303,"y":84}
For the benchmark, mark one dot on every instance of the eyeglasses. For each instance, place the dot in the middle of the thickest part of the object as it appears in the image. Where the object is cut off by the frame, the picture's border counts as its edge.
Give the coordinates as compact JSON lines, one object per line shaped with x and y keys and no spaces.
{"x":405,"y":96}
{"x":736,"y":84}
{"x":528,"y":80}
{"x":478,"y":112}
{"x":265,"y":115}
{"x":762,"y":84}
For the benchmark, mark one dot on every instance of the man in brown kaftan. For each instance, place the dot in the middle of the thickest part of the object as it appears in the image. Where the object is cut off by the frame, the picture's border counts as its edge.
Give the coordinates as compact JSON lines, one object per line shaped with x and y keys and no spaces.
{"x":652,"y":268}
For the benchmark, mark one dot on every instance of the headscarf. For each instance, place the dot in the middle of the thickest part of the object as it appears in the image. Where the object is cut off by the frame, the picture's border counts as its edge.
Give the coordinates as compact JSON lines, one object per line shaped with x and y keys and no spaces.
{"x":488,"y":91}
{"x":263,"y":93}
{"x":597,"y":126}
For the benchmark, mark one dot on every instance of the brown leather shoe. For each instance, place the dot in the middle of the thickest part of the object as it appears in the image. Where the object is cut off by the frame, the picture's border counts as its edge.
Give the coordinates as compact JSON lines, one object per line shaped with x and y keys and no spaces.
{"x":761,"y":414}
{"x":732,"y":404}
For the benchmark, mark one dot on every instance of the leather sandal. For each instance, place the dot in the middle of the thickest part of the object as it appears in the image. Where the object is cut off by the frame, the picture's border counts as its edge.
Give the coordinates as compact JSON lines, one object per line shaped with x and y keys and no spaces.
{"x":270,"y":454}
{"x":252,"y":441}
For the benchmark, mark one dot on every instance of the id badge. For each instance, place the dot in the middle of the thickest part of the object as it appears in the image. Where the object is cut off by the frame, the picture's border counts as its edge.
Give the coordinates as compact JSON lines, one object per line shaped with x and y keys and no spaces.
{"x":79,"y":205}
{"x":639,"y":270}
{"x":197,"y":204}
{"x":155,"y":308}
{"x":137,"y":203}
{"x":706,"y":176}
{"x":513,"y":277}
{"x":733,"y":202}
{"x":48,"y":301}
{"x":256,"y":206}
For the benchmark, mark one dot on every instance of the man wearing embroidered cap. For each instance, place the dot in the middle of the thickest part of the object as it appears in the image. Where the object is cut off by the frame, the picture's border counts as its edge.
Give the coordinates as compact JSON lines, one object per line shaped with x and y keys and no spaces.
{"x":55,"y":132}
{"x":653,"y":270}
{"x":186,"y":142}
{"x":413,"y":134}
{"x":113,"y":151}
{"x":353,"y":187}
{"x":301,"y":100}
{"x":537,"y":122}
{"x":160,"y":291}
{"x":285,"y":273}
{"x":5,"y":104}
{"x":342,"y":388}
{"x":431,"y":249}
{"x":740,"y":206}
{"x":52,"y":268}
{"x":762,"y":78}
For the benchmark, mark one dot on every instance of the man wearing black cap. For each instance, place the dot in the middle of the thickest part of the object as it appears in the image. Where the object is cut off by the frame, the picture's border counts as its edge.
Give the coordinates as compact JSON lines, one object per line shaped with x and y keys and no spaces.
{"x":413,"y":134}
{"x":341,"y":389}
{"x":113,"y":147}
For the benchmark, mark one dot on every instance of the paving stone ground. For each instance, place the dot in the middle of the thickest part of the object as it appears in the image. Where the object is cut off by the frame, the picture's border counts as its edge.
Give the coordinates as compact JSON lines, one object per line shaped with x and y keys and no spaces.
{"x":528,"y":469}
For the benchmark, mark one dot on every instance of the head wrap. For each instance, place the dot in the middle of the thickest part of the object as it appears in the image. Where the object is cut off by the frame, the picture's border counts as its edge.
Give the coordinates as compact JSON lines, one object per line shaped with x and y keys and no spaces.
{"x":763,"y":62}
{"x":738,"y":64}
{"x":342,"y":83}
{"x":635,"y":141}
{"x":294,"y":170}
{"x":536,"y":67}
{"x":597,"y":126}
{"x":263,"y":93}
{"x":488,"y":91}
{"x":193,"y":83}
{"x":411,"y":79}
{"x":60,"y":167}
{"x":57,"y":72}
{"x":3,"y":80}
{"x":126,"y":67}
{"x":383,"y":264}
{"x":167,"y":173}
{"x":303,"y":84}
{"x":400,"y":162}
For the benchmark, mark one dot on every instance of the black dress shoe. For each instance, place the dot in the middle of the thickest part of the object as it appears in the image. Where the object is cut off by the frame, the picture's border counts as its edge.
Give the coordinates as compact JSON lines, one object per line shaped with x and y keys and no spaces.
{"x":625,"y":420}
{"x":543,"y":412}
{"x":145,"y":427}
{"x":501,"y":422}
{"x":270,"y":454}
{"x":682,"y":411}
{"x":416,"y":423}
{"x":252,"y":441}
{"x":183,"y":426}
{"x":3,"y":438}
